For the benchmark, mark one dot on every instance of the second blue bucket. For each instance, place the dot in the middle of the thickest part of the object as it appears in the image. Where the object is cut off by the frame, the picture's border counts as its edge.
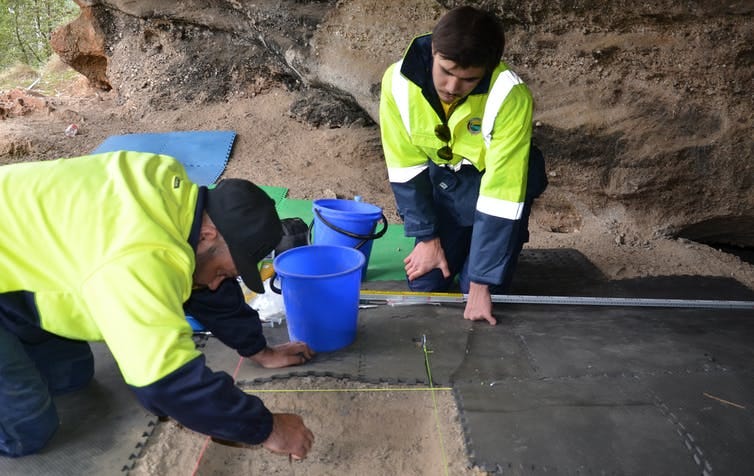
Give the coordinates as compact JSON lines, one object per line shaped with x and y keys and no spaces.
{"x":347,"y":223}
{"x":320,"y":286}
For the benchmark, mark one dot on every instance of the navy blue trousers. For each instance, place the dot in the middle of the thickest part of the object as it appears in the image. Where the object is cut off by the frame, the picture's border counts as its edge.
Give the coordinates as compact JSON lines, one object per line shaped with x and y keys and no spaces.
{"x":455,"y":213}
{"x":34,"y":368}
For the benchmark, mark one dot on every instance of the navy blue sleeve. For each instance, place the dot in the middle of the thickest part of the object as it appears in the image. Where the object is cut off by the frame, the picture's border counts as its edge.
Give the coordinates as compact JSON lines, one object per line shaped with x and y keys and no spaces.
{"x":496,"y":241}
{"x":208,"y":402}
{"x":224,"y":312}
{"x":493,"y":243}
{"x":416,"y":206}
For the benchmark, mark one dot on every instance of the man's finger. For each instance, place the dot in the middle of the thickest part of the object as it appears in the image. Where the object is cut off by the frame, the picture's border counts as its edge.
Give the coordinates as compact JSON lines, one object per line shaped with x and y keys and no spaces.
{"x":300,"y":348}
{"x":304,"y":450}
{"x":489,"y":318}
{"x":306,"y":351}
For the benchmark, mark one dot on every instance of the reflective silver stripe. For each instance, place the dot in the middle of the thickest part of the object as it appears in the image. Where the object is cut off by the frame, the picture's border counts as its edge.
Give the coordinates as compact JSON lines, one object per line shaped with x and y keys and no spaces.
{"x":457,"y":167}
{"x":503,"y":85}
{"x":500,"y":208}
{"x":400,"y":95}
{"x":404,"y":174}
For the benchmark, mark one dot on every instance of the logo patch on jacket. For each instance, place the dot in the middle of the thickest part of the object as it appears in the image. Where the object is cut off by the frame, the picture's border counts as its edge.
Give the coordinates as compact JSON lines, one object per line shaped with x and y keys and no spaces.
{"x":474,"y":125}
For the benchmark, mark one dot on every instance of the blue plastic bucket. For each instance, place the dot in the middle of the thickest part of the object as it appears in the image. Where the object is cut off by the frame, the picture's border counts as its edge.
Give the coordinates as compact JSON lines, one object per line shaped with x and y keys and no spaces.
{"x":320,"y":286}
{"x":347,"y":223}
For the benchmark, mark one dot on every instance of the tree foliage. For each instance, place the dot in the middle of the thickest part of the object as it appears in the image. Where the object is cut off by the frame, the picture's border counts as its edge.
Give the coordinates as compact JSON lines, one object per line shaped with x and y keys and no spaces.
{"x":25,"y":27}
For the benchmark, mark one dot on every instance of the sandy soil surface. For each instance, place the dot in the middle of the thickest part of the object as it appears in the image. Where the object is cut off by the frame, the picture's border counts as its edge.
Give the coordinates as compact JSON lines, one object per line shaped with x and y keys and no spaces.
{"x":272,"y":148}
{"x":359,"y":429}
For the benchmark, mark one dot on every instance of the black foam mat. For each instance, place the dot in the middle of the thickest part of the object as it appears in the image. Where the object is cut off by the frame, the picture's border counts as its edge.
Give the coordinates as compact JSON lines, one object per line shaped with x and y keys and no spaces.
{"x":552,"y":389}
{"x":574,"y":389}
{"x":584,"y":426}
{"x":102,"y":428}
{"x":679,"y":287}
{"x":590,"y":390}
{"x":556,"y":271}
{"x":389,"y":347}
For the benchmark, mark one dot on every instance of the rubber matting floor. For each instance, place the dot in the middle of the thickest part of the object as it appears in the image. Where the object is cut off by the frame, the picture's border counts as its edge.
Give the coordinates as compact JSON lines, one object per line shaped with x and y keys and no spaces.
{"x":102,"y":429}
{"x":549,"y":390}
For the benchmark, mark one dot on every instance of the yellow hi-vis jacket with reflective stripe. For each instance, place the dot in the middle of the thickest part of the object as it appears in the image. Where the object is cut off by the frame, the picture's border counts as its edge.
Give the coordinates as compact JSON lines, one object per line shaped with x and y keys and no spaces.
{"x":102,"y":242}
{"x":490,"y":129}
{"x":101,"y":248}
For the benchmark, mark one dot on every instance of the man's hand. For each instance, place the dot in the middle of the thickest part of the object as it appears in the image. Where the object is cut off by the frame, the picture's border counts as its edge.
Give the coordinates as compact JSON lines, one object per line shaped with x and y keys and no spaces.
{"x":479,"y":304}
{"x":283,"y":355}
{"x":426,"y":256}
{"x":289,"y":436}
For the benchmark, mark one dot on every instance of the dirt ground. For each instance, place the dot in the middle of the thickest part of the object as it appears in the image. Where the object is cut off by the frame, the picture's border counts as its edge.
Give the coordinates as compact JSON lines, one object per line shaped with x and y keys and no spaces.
{"x":273,"y":148}
{"x":353,"y":432}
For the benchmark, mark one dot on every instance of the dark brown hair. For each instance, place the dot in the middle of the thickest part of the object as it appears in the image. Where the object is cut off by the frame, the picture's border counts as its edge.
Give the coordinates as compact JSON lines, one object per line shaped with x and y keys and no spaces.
{"x":469,"y":37}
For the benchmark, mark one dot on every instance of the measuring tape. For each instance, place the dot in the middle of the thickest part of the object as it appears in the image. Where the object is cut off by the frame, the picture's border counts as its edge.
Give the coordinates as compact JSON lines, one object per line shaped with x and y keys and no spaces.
{"x":394,"y":298}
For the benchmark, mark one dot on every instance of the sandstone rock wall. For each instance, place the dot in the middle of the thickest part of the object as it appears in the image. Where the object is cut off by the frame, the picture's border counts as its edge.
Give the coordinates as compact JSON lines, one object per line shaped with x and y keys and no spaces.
{"x":644,"y":110}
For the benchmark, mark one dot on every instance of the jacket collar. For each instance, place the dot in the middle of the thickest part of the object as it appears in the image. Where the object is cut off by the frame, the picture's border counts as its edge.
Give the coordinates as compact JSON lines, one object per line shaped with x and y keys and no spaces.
{"x":417,"y":68}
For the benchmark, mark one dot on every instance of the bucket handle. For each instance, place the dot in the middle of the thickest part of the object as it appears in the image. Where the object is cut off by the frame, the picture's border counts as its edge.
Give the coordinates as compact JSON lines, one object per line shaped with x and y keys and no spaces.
{"x":363,"y":238}
{"x":274,"y":288}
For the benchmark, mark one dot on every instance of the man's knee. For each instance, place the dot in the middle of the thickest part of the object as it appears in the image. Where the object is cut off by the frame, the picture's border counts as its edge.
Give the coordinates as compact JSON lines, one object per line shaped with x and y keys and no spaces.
{"x":28,"y":417}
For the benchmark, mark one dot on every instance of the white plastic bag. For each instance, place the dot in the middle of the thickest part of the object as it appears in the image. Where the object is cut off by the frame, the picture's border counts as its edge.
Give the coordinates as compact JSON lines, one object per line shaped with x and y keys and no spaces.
{"x":269,"y":305}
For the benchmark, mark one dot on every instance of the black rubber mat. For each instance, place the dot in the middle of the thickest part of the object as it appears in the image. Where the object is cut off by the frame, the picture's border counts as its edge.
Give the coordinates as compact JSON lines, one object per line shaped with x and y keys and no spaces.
{"x":557,"y":271}
{"x":679,"y":287}
{"x":573,"y":390}
{"x":611,"y":391}
{"x":389,"y":347}
{"x":549,"y":390}
{"x":102,"y":429}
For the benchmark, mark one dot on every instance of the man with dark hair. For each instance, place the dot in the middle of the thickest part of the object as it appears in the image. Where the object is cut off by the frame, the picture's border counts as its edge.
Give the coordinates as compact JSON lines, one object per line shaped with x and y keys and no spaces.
{"x":456,"y":132}
{"x":118,"y":247}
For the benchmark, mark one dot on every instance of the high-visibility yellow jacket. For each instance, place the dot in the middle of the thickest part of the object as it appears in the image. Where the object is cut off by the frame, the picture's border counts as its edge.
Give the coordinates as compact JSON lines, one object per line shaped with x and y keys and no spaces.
{"x":490,"y":129}
{"x":101,"y":248}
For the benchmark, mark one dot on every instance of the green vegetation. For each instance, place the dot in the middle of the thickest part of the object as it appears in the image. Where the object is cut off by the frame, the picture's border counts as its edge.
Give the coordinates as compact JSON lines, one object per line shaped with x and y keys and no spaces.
{"x":25,"y":27}
{"x":49,"y":79}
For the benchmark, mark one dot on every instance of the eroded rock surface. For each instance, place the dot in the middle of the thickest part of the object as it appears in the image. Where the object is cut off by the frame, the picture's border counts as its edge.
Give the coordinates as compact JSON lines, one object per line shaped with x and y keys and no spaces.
{"x":644,"y":111}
